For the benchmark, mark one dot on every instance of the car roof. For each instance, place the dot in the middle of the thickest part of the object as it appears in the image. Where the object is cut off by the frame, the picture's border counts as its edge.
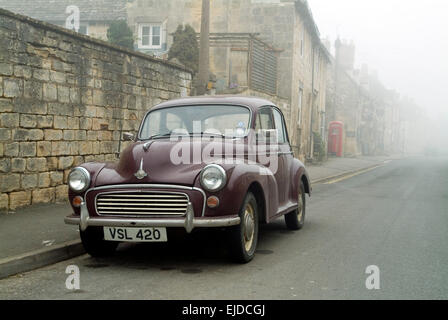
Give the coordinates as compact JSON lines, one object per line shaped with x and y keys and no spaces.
{"x":253,"y":103}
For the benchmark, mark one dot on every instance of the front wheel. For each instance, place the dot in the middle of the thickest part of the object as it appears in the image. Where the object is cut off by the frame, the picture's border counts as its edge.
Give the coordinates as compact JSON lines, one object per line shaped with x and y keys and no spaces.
{"x":243,"y":238}
{"x":296,"y":220}
{"x":93,"y":241}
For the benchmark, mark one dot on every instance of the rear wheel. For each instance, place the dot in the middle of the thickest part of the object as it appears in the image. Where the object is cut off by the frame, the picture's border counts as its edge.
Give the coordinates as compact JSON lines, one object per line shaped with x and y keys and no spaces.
{"x":243,"y":238}
{"x":95,"y":245}
{"x":296,"y":220}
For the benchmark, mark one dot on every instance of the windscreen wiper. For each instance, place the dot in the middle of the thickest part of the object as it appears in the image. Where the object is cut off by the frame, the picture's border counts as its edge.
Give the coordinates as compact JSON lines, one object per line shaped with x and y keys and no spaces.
{"x":160,"y":136}
{"x":208,"y":134}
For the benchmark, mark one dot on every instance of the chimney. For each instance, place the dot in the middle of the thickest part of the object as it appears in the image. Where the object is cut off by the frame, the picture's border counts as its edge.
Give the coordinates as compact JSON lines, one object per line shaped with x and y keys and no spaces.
{"x":345,"y":52}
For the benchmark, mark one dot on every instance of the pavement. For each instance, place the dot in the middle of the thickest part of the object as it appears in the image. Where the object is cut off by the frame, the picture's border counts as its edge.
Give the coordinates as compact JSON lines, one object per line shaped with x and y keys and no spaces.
{"x":36,"y":236}
{"x":339,"y":167}
{"x":393,"y":217}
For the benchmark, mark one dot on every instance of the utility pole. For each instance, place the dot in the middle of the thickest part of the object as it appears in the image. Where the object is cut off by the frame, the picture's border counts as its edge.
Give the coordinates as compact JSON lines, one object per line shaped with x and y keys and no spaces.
{"x":204,"y":53}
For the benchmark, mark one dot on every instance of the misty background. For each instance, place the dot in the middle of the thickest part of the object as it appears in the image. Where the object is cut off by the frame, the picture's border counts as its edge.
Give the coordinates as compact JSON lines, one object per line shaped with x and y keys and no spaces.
{"x":405,"y":41}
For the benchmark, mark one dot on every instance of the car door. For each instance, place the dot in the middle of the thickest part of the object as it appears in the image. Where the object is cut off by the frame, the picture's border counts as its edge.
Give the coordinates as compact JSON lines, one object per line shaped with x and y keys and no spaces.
{"x":285,"y":157}
{"x":266,"y":121}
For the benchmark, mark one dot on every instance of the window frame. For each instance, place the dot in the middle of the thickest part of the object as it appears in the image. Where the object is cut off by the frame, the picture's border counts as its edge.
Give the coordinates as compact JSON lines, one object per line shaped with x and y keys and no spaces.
{"x":251,"y":116}
{"x":151,"y":35}
{"x":86,"y":25}
{"x":283,"y":124}
{"x":271,"y":110}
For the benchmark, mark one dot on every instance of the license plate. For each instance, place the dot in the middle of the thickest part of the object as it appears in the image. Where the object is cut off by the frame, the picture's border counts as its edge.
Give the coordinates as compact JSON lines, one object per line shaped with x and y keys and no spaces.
{"x":135,"y":234}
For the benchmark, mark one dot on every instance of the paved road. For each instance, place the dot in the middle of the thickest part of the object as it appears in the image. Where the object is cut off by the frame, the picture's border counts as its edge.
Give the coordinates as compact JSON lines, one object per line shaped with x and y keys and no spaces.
{"x":394,"y":217}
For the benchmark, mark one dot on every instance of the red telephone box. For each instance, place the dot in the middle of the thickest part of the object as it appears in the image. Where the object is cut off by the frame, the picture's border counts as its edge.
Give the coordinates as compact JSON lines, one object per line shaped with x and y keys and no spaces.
{"x":335,"y":136}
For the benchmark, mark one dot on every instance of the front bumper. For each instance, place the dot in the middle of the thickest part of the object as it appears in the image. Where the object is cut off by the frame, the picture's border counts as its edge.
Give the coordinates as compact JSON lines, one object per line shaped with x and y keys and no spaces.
{"x":189,"y":222}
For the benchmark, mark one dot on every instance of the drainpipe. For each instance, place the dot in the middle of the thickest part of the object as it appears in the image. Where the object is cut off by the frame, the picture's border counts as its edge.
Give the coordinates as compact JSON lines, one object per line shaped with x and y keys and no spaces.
{"x":204,"y":50}
{"x":312,"y":107}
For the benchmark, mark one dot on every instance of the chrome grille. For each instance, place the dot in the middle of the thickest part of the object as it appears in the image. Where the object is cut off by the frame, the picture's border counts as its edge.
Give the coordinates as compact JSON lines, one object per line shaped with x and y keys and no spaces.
{"x":142,"y":203}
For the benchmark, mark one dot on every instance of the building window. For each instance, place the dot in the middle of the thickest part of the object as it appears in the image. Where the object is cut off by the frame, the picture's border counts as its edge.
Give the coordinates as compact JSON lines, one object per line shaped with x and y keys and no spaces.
{"x":150,"y":36}
{"x":84,"y":29}
{"x":322,"y":126}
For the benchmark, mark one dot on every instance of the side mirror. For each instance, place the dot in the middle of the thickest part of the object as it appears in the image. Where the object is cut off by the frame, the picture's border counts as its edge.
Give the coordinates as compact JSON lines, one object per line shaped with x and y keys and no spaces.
{"x":128,"y":136}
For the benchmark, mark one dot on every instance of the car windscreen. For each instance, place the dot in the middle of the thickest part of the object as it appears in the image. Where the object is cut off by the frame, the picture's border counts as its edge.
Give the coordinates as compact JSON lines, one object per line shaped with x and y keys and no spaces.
{"x":225,"y":120}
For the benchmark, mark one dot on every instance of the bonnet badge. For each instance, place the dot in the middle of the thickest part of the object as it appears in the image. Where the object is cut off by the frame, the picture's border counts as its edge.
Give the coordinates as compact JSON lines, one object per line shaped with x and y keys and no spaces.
{"x":140,"y":174}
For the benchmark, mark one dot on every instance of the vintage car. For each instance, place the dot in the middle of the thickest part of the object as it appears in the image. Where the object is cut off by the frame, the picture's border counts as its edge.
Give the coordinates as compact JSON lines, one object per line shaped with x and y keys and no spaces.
{"x":199,"y":162}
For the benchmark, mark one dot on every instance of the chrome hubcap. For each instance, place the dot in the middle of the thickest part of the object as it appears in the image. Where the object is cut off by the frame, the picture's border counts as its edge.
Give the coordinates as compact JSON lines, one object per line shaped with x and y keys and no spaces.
{"x":249,"y":226}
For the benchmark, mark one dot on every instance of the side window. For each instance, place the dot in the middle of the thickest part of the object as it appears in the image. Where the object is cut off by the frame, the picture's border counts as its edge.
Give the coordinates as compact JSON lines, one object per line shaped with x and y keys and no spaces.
{"x":280,"y":126}
{"x":264,"y":120}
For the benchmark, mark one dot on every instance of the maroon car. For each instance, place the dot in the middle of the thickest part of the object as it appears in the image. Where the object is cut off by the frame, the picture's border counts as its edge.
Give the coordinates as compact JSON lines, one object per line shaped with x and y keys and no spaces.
{"x":206,"y":162}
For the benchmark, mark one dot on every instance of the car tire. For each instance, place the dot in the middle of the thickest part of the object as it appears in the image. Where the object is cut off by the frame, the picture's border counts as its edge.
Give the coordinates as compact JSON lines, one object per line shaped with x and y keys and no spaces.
{"x":95,"y":245}
{"x":243,"y":238}
{"x":296,"y":220}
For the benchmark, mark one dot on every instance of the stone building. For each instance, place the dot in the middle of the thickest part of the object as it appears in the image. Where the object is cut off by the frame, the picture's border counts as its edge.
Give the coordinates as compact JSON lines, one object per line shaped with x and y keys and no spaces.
{"x":346,"y":98}
{"x":415,"y":129}
{"x":286,"y":29}
{"x":392,"y":123}
{"x":368,"y":110}
{"x":95,"y":15}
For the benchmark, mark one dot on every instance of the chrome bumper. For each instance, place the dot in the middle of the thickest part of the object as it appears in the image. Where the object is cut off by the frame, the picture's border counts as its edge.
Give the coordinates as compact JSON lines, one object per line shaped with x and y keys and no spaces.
{"x":189,"y":222}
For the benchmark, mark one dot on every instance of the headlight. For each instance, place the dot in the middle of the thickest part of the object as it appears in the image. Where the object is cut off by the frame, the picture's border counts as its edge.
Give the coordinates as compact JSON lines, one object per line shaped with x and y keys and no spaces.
{"x":213,"y":178}
{"x":79,"y":179}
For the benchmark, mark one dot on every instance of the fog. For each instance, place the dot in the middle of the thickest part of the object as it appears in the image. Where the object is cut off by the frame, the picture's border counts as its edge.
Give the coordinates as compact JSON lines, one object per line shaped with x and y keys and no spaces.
{"x":405,"y":41}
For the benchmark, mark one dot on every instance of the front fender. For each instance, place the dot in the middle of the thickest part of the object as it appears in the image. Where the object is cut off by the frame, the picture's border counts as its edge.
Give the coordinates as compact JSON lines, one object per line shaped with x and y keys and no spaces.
{"x":239,"y":179}
{"x":94,"y":168}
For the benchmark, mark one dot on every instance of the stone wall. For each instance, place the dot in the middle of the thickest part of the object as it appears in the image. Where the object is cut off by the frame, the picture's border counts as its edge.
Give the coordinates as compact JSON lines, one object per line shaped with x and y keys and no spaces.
{"x":65,"y":99}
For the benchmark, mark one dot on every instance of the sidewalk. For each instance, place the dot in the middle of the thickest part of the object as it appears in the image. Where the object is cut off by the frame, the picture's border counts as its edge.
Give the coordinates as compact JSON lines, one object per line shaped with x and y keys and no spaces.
{"x":33,"y":228}
{"x":36,"y":236}
{"x":336,"y":167}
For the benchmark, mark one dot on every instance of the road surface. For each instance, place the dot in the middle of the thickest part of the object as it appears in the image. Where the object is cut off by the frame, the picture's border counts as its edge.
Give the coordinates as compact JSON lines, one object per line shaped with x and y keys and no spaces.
{"x":394,"y":217}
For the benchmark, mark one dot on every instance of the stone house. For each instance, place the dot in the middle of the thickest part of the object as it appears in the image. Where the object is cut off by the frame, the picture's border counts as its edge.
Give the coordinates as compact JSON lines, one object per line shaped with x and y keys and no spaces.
{"x":95,"y":15}
{"x":346,"y":97}
{"x":285,"y":28}
{"x":415,"y":128}
{"x":392,"y":123}
{"x":368,"y":110}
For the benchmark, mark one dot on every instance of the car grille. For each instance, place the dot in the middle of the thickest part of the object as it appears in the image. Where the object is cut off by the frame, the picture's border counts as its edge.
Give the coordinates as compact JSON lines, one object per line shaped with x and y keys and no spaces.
{"x":142,"y":204}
